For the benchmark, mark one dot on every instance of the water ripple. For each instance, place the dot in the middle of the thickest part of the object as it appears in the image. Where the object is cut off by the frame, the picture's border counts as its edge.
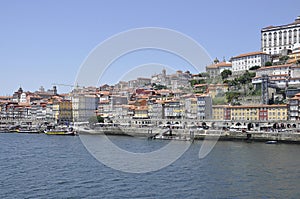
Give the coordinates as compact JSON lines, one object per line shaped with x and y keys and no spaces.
{"x":40,"y":166}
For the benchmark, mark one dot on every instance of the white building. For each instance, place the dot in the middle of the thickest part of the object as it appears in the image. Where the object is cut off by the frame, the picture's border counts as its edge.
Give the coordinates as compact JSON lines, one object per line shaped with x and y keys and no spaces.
{"x":245,"y":61}
{"x":274,"y":39}
{"x":172,"y":110}
{"x":23,"y":98}
{"x":215,"y":70}
{"x":191,"y":108}
{"x":294,"y":107}
{"x":204,"y":107}
{"x":84,"y":107}
{"x":155,"y":110}
{"x":280,"y":74}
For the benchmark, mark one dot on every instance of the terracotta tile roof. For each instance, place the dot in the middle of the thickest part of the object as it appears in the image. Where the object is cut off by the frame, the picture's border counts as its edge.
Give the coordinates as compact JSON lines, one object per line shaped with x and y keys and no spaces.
{"x":164,"y":91}
{"x":277,"y":66}
{"x":104,"y":92}
{"x":259,"y":106}
{"x":201,"y":95}
{"x":213,"y":66}
{"x":219,"y":65}
{"x":250,"y":54}
{"x":222,"y":64}
{"x":104,"y":101}
{"x":270,"y":76}
{"x":141,"y":108}
{"x":219,"y":106}
{"x":297,"y":21}
{"x":200,"y":85}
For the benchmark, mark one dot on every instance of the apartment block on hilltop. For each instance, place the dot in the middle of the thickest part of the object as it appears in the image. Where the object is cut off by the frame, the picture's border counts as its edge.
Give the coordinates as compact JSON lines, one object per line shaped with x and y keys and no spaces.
{"x":244,"y":62}
{"x":275,"y":39}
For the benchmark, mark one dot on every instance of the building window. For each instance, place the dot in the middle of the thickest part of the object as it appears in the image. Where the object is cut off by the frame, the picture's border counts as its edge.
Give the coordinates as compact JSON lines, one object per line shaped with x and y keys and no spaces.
{"x":280,"y":37}
{"x":295,"y":36}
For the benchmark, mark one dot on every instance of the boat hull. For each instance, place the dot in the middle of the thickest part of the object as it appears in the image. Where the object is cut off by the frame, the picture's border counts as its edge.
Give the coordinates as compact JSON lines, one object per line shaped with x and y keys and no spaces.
{"x":60,"y":133}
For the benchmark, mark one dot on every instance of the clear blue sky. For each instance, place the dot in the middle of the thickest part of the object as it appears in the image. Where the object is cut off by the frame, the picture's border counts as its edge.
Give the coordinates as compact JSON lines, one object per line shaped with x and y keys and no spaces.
{"x":42,"y":42}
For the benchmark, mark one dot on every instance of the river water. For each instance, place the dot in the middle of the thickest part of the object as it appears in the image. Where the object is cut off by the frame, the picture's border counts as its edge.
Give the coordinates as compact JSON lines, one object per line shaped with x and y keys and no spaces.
{"x":41,"y":166}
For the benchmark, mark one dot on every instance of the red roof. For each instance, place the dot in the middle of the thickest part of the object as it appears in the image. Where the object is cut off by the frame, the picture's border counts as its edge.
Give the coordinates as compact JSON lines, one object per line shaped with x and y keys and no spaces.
{"x":250,"y":54}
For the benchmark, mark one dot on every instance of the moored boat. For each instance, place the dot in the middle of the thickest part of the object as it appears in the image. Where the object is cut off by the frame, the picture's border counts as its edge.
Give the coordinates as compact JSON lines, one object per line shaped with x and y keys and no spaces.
{"x":178,"y":138}
{"x":34,"y":131}
{"x":271,"y":142}
{"x":69,"y":131}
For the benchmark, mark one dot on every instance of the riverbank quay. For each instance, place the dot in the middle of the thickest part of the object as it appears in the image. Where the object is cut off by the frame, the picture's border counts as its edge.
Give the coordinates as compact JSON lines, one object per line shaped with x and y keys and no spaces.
{"x":194,"y":134}
{"x":187,"y":131}
{"x":251,"y":136}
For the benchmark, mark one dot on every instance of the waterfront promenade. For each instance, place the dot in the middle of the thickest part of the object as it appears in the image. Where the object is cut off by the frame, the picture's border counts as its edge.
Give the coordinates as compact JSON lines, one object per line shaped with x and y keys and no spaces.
{"x":281,"y":131}
{"x":195,"y":134}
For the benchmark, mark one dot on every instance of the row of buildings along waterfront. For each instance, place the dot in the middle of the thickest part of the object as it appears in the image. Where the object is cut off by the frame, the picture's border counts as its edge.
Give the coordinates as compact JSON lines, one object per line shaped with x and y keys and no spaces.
{"x":142,"y":102}
{"x":82,"y":104}
{"x":182,"y":95}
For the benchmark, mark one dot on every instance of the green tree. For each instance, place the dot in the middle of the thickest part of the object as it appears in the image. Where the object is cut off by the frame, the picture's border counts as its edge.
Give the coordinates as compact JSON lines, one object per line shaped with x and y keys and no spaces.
{"x":100,"y":119}
{"x":246,"y":79}
{"x":219,"y":101}
{"x":283,"y":59}
{"x":203,"y":74}
{"x":232,"y":96}
{"x":200,"y":81}
{"x":226,"y":73}
{"x":268,"y":63}
{"x":254,"y":68}
{"x":158,"y":86}
{"x":96,"y":119}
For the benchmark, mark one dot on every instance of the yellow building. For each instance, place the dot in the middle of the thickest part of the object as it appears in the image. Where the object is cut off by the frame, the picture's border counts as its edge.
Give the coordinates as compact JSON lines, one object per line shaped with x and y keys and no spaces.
{"x":219,"y":112}
{"x":62,"y":111}
{"x":277,"y":112}
{"x":251,"y":112}
{"x":244,"y":112}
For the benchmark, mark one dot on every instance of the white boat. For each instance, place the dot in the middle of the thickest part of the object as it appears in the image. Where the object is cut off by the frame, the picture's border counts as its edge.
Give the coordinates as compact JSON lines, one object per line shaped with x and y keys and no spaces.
{"x":271,"y":142}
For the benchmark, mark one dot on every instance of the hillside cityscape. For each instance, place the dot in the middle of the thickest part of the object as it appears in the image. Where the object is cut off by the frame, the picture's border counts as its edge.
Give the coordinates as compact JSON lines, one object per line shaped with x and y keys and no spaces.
{"x":262,"y":86}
